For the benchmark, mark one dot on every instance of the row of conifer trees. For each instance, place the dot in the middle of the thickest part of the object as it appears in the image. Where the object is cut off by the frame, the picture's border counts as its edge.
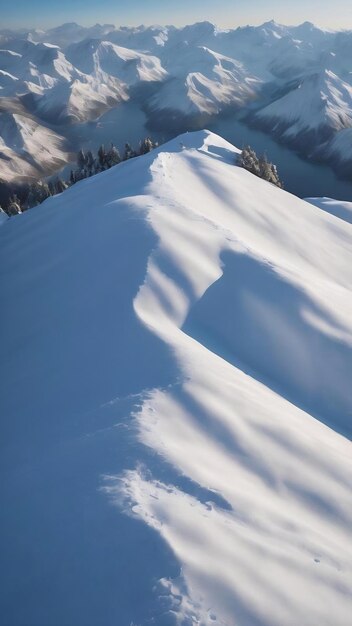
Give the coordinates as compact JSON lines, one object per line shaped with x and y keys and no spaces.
{"x":88,"y":165}
{"x":259,"y":166}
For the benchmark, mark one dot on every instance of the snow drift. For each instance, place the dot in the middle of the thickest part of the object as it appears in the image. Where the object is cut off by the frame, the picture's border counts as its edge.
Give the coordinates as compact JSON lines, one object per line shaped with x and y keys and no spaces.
{"x":343,"y":210}
{"x":175,"y":373}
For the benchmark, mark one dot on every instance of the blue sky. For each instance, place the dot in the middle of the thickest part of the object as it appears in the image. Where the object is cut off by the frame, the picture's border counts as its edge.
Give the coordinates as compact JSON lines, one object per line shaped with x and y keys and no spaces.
{"x":226,"y":13}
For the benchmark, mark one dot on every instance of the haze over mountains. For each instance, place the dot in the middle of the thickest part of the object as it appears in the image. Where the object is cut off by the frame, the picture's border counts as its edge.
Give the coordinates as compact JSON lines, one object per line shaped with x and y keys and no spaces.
{"x":293,"y":82}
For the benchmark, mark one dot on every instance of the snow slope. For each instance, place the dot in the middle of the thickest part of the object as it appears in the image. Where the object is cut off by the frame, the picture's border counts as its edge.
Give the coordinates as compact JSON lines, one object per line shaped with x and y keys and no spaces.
{"x":83,"y":99}
{"x":21,"y":137}
{"x":339,"y":150}
{"x":319,"y":107}
{"x":176,"y":398}
{"x":125,"y":64}
{"x":203,"y":81}
{"x":343,"y":210}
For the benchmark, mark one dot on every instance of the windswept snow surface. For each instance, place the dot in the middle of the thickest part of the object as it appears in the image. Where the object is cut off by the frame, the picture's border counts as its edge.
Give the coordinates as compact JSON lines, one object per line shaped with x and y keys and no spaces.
{"x":343,"y":210}
{"x":176,"y":400}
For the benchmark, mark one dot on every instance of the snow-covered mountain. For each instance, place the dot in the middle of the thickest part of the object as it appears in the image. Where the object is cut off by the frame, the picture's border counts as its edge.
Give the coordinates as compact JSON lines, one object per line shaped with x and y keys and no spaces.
{"x":294,"y":82}
{"x":21,"y":137}
{"x":339,"y":150}
{"x":176,"y":400}
{"x":312,"y":113}
{"x":215,"y":82}
{"x":129,"y":66}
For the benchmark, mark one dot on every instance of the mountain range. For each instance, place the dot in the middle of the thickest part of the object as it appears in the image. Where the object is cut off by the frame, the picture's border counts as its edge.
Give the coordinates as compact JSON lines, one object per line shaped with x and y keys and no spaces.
{"x":293,"y":82}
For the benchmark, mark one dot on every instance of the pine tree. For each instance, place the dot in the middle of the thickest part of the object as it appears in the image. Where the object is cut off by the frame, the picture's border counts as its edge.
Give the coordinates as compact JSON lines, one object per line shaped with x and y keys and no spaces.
{"x":90,"y":163}
{"x":81,"y":160}
{"x":249,"y":160}
{"x":260,"y":166}
{"x":38,"y":192}
{"x":112,"y":156}
{"x":14,"y":206}
{"x":101,"y":158}
{"x":60,"y":185}
{"x":129,"y":152}
{"x":268,"y":171}
{"x":146,"y":146}
{"x":276,"y":178}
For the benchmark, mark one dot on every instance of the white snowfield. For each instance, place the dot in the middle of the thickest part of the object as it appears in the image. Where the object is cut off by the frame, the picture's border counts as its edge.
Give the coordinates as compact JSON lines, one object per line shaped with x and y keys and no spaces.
{"x":176,"y":400}
{"x":340,"y":209}
{"x":22,"y":136}
{"x":321,"y":102}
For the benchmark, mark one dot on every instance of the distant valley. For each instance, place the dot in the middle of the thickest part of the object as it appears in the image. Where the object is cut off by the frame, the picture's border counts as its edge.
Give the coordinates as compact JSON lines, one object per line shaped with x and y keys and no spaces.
{"x":58,"y":86}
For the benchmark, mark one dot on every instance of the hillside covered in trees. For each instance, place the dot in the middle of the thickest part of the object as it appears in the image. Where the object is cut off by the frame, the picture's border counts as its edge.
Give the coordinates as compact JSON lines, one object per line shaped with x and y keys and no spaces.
{"x":88,"y":164}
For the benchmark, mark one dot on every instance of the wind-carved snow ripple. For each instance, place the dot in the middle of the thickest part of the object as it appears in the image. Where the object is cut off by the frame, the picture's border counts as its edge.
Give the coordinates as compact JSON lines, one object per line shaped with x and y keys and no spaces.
{"x":284,"y":500}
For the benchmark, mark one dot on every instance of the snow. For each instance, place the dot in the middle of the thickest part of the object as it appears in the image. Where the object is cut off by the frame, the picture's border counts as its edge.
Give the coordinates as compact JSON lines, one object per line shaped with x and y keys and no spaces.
{"x":70,"y":33}
{"x":322,"y":101}
{"x":340,"y":209}
{"x":204,"y":81}
{"x":21,"y":137}
{"x":340,"y":148}
{"x":176,"y":385}
{"x":81,"y":100}
{"x":297,"y":79}
{"x":127,"y":65}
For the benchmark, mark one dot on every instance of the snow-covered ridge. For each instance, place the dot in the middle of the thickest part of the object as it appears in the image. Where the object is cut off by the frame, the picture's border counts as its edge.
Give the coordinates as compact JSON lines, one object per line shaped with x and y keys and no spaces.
{"x":182,"y":77}
{"x":314,"y":111}
{"x":178,"y":345}
{"x":340,"y":209}
{"x":21,"y":136}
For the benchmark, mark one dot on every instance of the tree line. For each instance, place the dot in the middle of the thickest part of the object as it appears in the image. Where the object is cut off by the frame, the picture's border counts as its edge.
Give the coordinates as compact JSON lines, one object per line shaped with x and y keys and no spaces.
{"x":88,"y":165}
{"x":259,"y":166}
